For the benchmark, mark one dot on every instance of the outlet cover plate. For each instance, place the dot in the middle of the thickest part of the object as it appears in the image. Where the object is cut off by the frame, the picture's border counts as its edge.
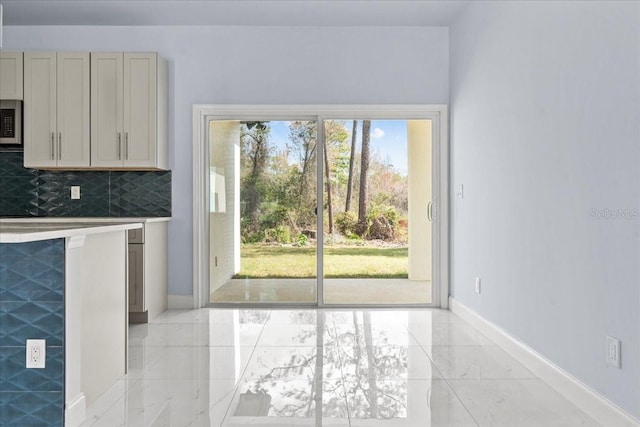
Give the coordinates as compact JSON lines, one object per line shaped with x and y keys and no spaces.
{"x":613,"y":352}
{"x":36,"y":354}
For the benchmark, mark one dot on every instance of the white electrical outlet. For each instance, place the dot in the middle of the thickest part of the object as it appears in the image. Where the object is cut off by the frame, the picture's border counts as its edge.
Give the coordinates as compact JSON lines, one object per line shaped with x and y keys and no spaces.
{"x":477,"y":285}
{"x":613,"y":352}
{"x":75,"y":192}
{"x":36,"y":353}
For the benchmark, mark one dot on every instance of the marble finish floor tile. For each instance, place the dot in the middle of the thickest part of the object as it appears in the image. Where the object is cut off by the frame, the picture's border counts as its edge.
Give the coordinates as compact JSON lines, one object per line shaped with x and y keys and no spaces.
{"x":476,"y":362}
{"x":246,"y":317}
{"x":288,"y":402}
{"x":192,"y":363}
{"x":194,"y":334}
{"x":107,"y":400}
{"x":279,"y":335}
{"x":449,"y":334}
{"x":323,"y":367}
{"x":164,"y":335}
{"x":413,"y":403}
{"x":418,"y":317}
{"x":142,"y":358}
{"x":389,"y":362}
{"x":518,"y":402}
{"x":283,"y":362}
{"x":366,"y":333}
{"x":161,"y":402}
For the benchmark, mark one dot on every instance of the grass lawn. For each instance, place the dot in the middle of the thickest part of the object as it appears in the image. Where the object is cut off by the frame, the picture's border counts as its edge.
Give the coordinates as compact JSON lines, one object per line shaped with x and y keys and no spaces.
{"x":343,"y":261}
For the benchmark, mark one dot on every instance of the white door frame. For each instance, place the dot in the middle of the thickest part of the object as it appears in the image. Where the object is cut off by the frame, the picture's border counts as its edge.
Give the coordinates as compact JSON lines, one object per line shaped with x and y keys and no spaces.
{"x":440,"y":174}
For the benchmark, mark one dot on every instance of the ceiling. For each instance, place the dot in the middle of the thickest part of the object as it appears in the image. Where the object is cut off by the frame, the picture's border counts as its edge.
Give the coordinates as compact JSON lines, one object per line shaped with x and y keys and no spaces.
{"x":233,"y":12}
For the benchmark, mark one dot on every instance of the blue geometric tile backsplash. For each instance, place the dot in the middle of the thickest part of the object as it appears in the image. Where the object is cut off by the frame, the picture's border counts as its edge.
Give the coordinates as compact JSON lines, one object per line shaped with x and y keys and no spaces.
{"x":43,"y":193}
{"x":31,"y":306}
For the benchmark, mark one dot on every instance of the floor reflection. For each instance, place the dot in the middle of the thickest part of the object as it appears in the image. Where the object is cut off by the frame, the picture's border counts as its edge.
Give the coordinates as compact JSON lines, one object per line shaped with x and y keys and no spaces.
{"x":353,"y":368}
{"x":419,"y":367}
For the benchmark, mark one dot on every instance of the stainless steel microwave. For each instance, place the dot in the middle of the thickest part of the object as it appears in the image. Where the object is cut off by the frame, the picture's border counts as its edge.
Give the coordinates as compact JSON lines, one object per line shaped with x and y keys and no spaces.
{"x":11,"y":124}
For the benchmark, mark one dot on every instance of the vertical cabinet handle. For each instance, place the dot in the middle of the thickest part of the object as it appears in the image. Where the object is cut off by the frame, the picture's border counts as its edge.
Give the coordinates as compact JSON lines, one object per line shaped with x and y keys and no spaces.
{"x":126,"y":145}
{"x":119,"y":146}
{"x":59,"y":145}
{"x":53,"y":148}
{"x":430,"y":211}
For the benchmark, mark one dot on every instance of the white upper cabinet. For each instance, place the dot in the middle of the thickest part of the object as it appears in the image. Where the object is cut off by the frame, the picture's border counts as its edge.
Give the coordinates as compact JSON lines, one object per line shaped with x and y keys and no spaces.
{"x":107,"y":91}
{"x":11,"y":85}
{"x":140,"y":109}
{"x":73,"y":110}
{"x":128,"y":111}
{"x":40,"y":127}
{"x":56,"y":110}
{"x":90,"y":110}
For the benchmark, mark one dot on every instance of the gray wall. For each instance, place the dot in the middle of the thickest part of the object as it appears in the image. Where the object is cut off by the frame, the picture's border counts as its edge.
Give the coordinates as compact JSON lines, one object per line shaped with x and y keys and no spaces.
{"x":545,"y":134}
{"x":261,"y":65}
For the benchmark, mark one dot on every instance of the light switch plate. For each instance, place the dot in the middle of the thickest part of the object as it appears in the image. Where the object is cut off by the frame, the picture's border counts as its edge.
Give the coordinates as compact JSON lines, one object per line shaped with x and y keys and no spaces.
{"x":75,"y":192}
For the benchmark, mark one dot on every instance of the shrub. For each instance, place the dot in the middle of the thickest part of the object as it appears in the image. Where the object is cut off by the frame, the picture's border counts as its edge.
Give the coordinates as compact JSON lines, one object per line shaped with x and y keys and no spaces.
{"x":381,"y":229}
{"x":253,"y":236}
{"x":273,"y":215}
{"x":389,"y":212}
{"x":382,"y":222}
{"x":280,"y":234}
{"x":346,"y":223}
{"x":354,"y":237}
{"x":302,"y":240}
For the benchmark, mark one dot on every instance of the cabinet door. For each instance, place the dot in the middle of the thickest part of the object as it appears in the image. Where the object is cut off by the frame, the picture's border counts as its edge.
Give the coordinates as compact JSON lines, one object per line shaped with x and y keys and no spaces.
{"x":136,"y":235}
{"x":11,"y":86}
{"x":140,"y":109}
{"x":40,"y":148}
{"x":136,"y":278}
{"x":107,"y":90}
{"x":73,"y":109}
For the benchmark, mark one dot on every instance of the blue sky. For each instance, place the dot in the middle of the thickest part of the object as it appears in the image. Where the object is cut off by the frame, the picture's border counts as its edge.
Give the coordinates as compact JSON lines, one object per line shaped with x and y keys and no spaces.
{"x":388,"y":139}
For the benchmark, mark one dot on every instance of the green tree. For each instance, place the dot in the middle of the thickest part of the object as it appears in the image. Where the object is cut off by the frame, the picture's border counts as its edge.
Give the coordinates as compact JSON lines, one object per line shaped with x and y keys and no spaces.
{"x":254,"y":137}
{"x":335,"y":150}
{"x":302,"y":135}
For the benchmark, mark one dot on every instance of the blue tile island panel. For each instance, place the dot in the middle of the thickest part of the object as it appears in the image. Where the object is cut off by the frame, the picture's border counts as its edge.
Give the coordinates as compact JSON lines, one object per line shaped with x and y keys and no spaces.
{"x":31,"y":306}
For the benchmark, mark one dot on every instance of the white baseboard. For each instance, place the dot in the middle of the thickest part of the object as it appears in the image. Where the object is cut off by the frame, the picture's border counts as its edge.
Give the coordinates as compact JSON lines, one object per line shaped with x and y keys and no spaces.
{"x":180,"y":302}
{"x":598,"y":407}
{"x":75,"y":411}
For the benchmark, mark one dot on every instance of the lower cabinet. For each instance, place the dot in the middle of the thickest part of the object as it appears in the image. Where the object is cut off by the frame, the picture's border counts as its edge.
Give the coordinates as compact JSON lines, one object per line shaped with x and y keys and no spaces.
{"x":147,"y":272}
{"x":136,"y":277}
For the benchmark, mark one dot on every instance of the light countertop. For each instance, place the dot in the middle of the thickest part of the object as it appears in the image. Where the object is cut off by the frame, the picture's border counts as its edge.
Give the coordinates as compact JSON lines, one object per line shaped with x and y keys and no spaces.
{"x":32,"y":231}
{"x":83,"y":220}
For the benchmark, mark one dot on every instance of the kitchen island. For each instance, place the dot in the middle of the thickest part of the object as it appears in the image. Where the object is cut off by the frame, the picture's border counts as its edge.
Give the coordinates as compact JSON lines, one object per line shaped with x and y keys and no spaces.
{"x":66,"y":283}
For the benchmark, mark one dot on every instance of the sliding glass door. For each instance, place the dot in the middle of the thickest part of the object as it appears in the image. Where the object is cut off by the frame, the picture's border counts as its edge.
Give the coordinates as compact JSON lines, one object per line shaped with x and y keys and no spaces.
{"x":262,"y":197}
{"x":321,"y":212}
{"x":377,"y":196}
